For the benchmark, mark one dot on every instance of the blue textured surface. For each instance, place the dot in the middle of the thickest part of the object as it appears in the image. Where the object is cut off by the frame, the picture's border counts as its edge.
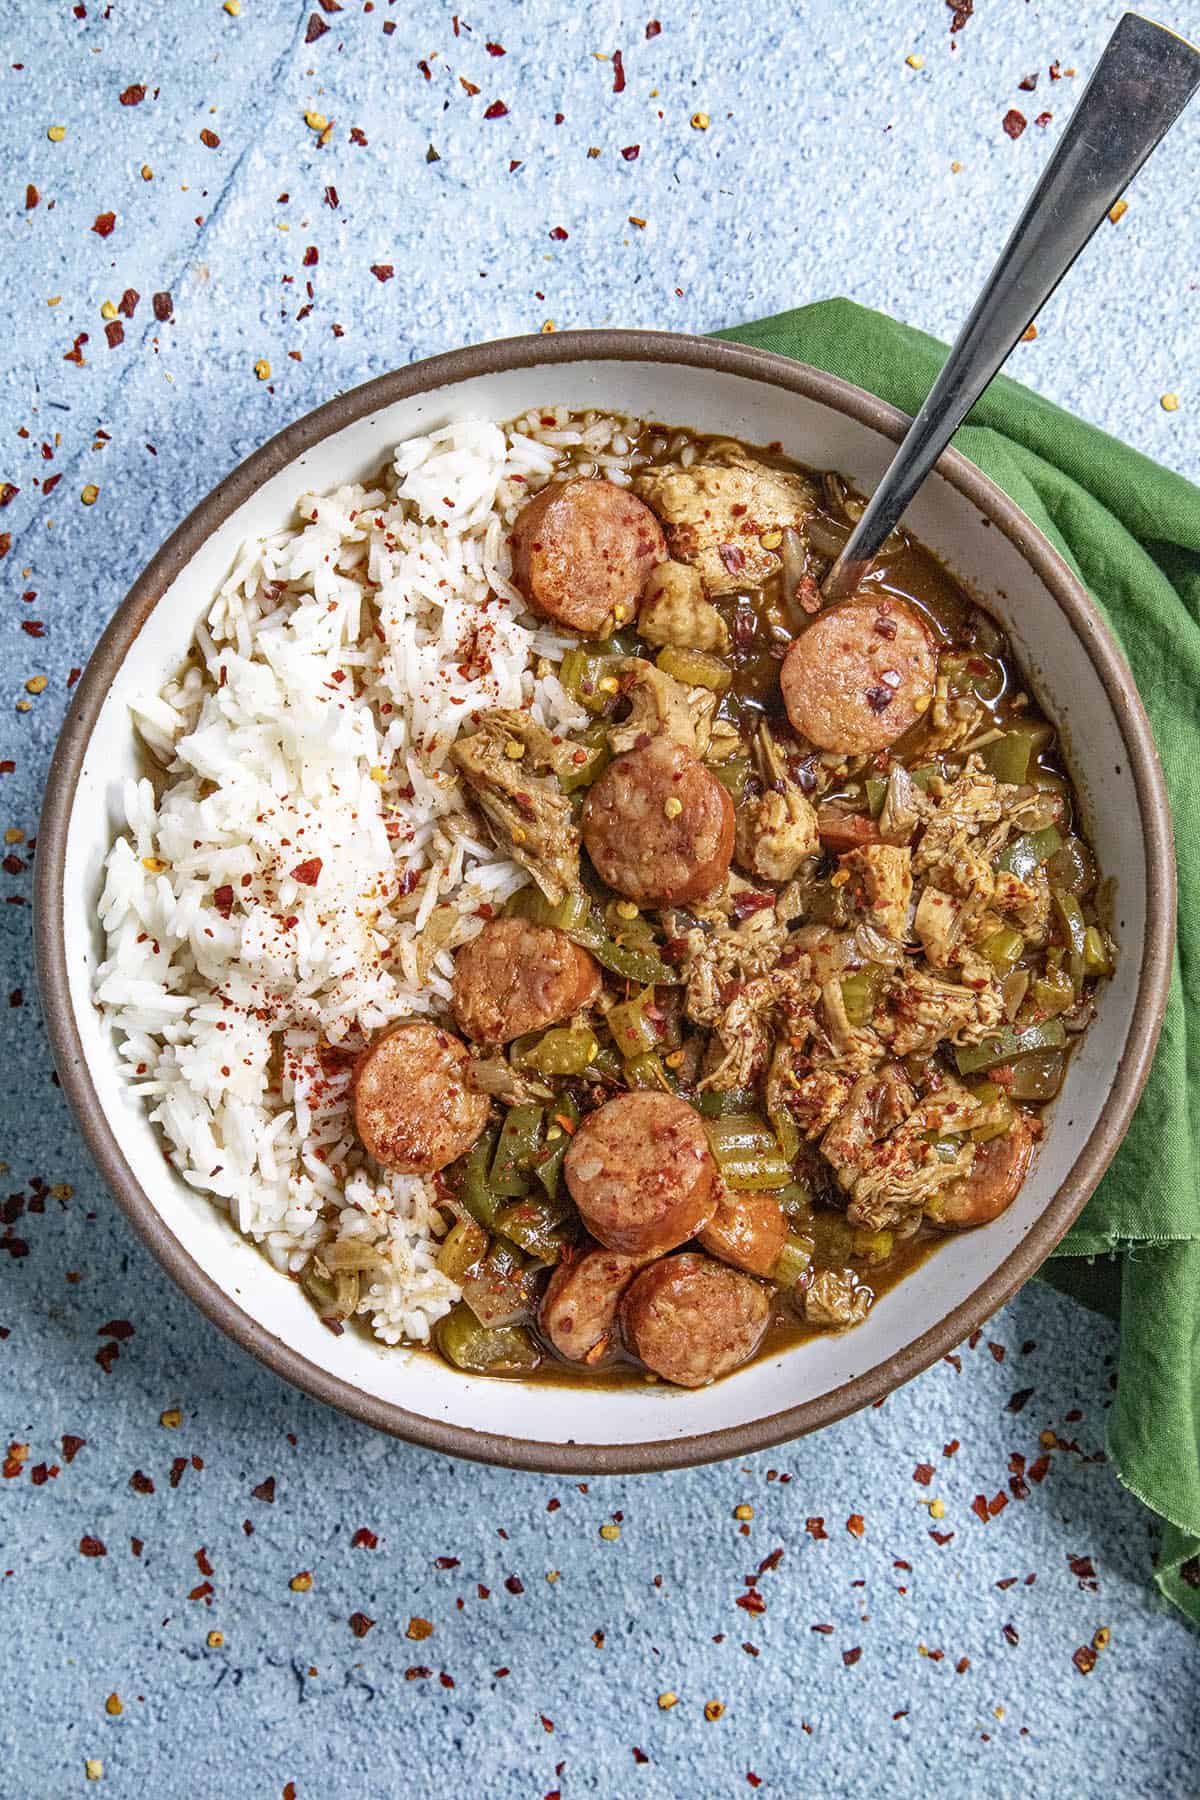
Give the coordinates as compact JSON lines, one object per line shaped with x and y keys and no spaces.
{"x":827,"y":167}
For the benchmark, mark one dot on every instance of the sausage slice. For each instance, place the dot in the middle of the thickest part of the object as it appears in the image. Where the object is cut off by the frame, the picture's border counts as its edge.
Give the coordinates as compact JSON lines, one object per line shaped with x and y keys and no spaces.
{"x":641,"y":1173}
{"x":659,"y":826}
{"x":517,"y":977}
{"x":747,"y":1230}
{"x":691,"y":1319}
{"x":1000,"y":1167}
{"x":579,"y":1308}
{"x":860,"y":675}
{"x":582,"y":550}
{"x":413,"y":1109}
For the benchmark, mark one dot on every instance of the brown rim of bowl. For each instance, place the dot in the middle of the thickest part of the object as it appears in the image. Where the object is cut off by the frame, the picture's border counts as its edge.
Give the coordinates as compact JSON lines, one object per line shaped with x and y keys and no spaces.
{"x":444,"y":371}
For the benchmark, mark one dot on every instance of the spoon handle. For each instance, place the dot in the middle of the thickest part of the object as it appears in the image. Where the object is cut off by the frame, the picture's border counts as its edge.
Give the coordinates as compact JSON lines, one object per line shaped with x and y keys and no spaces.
{"x":1141,"y":84}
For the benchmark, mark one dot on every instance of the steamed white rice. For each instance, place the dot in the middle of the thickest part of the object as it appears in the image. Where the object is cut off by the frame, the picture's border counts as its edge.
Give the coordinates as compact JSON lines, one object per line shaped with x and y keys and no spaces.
{"x":301,"y":870}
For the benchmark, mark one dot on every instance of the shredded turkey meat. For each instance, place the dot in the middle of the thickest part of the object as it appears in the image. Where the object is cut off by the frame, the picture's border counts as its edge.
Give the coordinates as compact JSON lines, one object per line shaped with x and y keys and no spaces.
{"x":527,"y":812}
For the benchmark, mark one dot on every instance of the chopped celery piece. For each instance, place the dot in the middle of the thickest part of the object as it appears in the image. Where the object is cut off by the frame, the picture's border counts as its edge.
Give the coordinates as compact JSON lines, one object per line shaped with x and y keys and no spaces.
{"x":1008,"y":1043}
{"x":833,"y":1239}
{"x":1052,"y":993}
{"x":464,"y":1245}
{"x":1097,"y":959}
{"x":876,"y":795}
{"x":1069,"y":915}
{"x":747,"y":1153}
{"x":589,"y":677}
{"x":563,"y":1050}
{"x":587,"y":761}
{"x":633,"y":1031}
{"x":733,"y":773}
{"x":924,"y":774}
{"x":1072,"y":867}
{"x":715,"y":1103}
{"x":695,"y":668}
{"x":796,"y":1200}
{"x":861,"y":991}
{"x":571,"y":914}
{"x":1028,"y":852}
{"x":1003,"y":948}
{"x":647,"y":1071}
{"x":482,"y":1351}
{"x":792,"y":1262}
{"x":873,"y":1246}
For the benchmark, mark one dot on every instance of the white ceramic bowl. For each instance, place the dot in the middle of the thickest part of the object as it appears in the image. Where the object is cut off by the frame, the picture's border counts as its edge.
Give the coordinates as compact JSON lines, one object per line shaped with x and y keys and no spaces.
{"x":1076,"y":671}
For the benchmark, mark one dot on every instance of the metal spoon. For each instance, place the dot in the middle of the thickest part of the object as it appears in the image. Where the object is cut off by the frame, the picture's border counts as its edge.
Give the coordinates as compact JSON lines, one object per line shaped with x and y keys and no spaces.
{"x":1139,"y":87}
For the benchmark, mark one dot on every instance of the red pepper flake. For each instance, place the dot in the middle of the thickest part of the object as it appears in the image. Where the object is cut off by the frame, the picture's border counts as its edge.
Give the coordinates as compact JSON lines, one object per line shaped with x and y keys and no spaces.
{"x":825,"y":1630}
{"x":202,"y":1591}
{"x":1084,"y":1659}
{"x":73,"y":677}
{"x":1011,"y":1634}
{"x":439,"y":1562}
{"x":618,"y":73}
{"x":31,"y":197}
{"x":733,"y":557}
{"x":631,"y":152}
{"x":8,"y":493}
{"x":1082,"y":1566}
{"x":559,"y":234}
{"x":107,"y":1355}
{"x":513,"y":167}
{"x":133,"y":96}
{"x":962,"y":11}
{"x":771,"y":1560}
{"x":923,"y":1473}
{"x":316,"y":29}
{"x":856,"y":1525}
{"x":360,"y":1624}
{"x":850,"y":1657}
{"x":162,"y":305}
{"x":639,"y":1756}
{"x":997,"y":1351}
{"x":358,"y":136}
{"x":177,"y":1468}
{"x":71,"y":1446}
{"x":331,"y":197}
{"x":652,"y":30}
{"x":41,"y":1473}
{"x":202,"y":1562}
{"x":997,"y":1503}
{"x":1019,"y":1401}
{"x":50,"y":483}
{"x":495,"y":49}
{"x":753,"y":1602}
{"x":265,"y":1491}
{"x":497,"y":110}
{"x":209,"y":139}
{"x":114,"y":332}
{"x":382,"y":271}
{"x":419,"y":1672}
{"x":223,"y":900}
{"x":468,"y":87}
{"x":425,"y":69}
{"x":514,"y":1584}
{"x":140,"y":1483}
{"x":308,"y":873}
{"x":127,"y":304}
{"x":311,"y":257}
{"x":1029,"y":83}
{"x":1014,"y":122}
{"x":941,"y":1537}
{"x":364,"y":1539}
{"x":1043,"y":119}
{"x":816,"y":1528}
{"x":104,"y":224}
{"x":116,"y":1328}
{"x":1038,"y":1470}
{"x":91,"y":1546}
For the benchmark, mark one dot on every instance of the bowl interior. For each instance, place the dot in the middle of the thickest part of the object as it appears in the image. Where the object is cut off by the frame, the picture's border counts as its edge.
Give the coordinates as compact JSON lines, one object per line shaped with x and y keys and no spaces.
{"x":419,"y":1395}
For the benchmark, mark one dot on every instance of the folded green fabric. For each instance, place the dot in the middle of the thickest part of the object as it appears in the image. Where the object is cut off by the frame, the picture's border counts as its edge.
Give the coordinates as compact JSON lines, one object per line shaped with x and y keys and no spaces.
{"x":1131,"y":530}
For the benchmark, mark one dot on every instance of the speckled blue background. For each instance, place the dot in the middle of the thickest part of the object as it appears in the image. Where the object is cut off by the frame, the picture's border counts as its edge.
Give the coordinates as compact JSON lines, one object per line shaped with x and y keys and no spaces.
{"x":829,"y":165}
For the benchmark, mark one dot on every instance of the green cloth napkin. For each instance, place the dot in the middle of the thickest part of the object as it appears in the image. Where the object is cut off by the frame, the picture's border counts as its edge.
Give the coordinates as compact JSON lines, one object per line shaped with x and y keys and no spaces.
{"x":1131,"y":530}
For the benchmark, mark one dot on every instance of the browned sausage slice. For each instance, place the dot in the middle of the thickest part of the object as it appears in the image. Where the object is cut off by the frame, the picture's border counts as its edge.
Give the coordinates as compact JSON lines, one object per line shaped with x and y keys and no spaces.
{"x":691,"y":1319}
{"x":517,"y":977}
{"x":747,"y":1230}
{"x":582,"y":550}
{"x":641,"y":1173}
{"x":579,"y":1308}
{"x":999,"y":1168}
{"x":413,"y":1109}
{"x":860,"y":675}
{"x":659,"y":826}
